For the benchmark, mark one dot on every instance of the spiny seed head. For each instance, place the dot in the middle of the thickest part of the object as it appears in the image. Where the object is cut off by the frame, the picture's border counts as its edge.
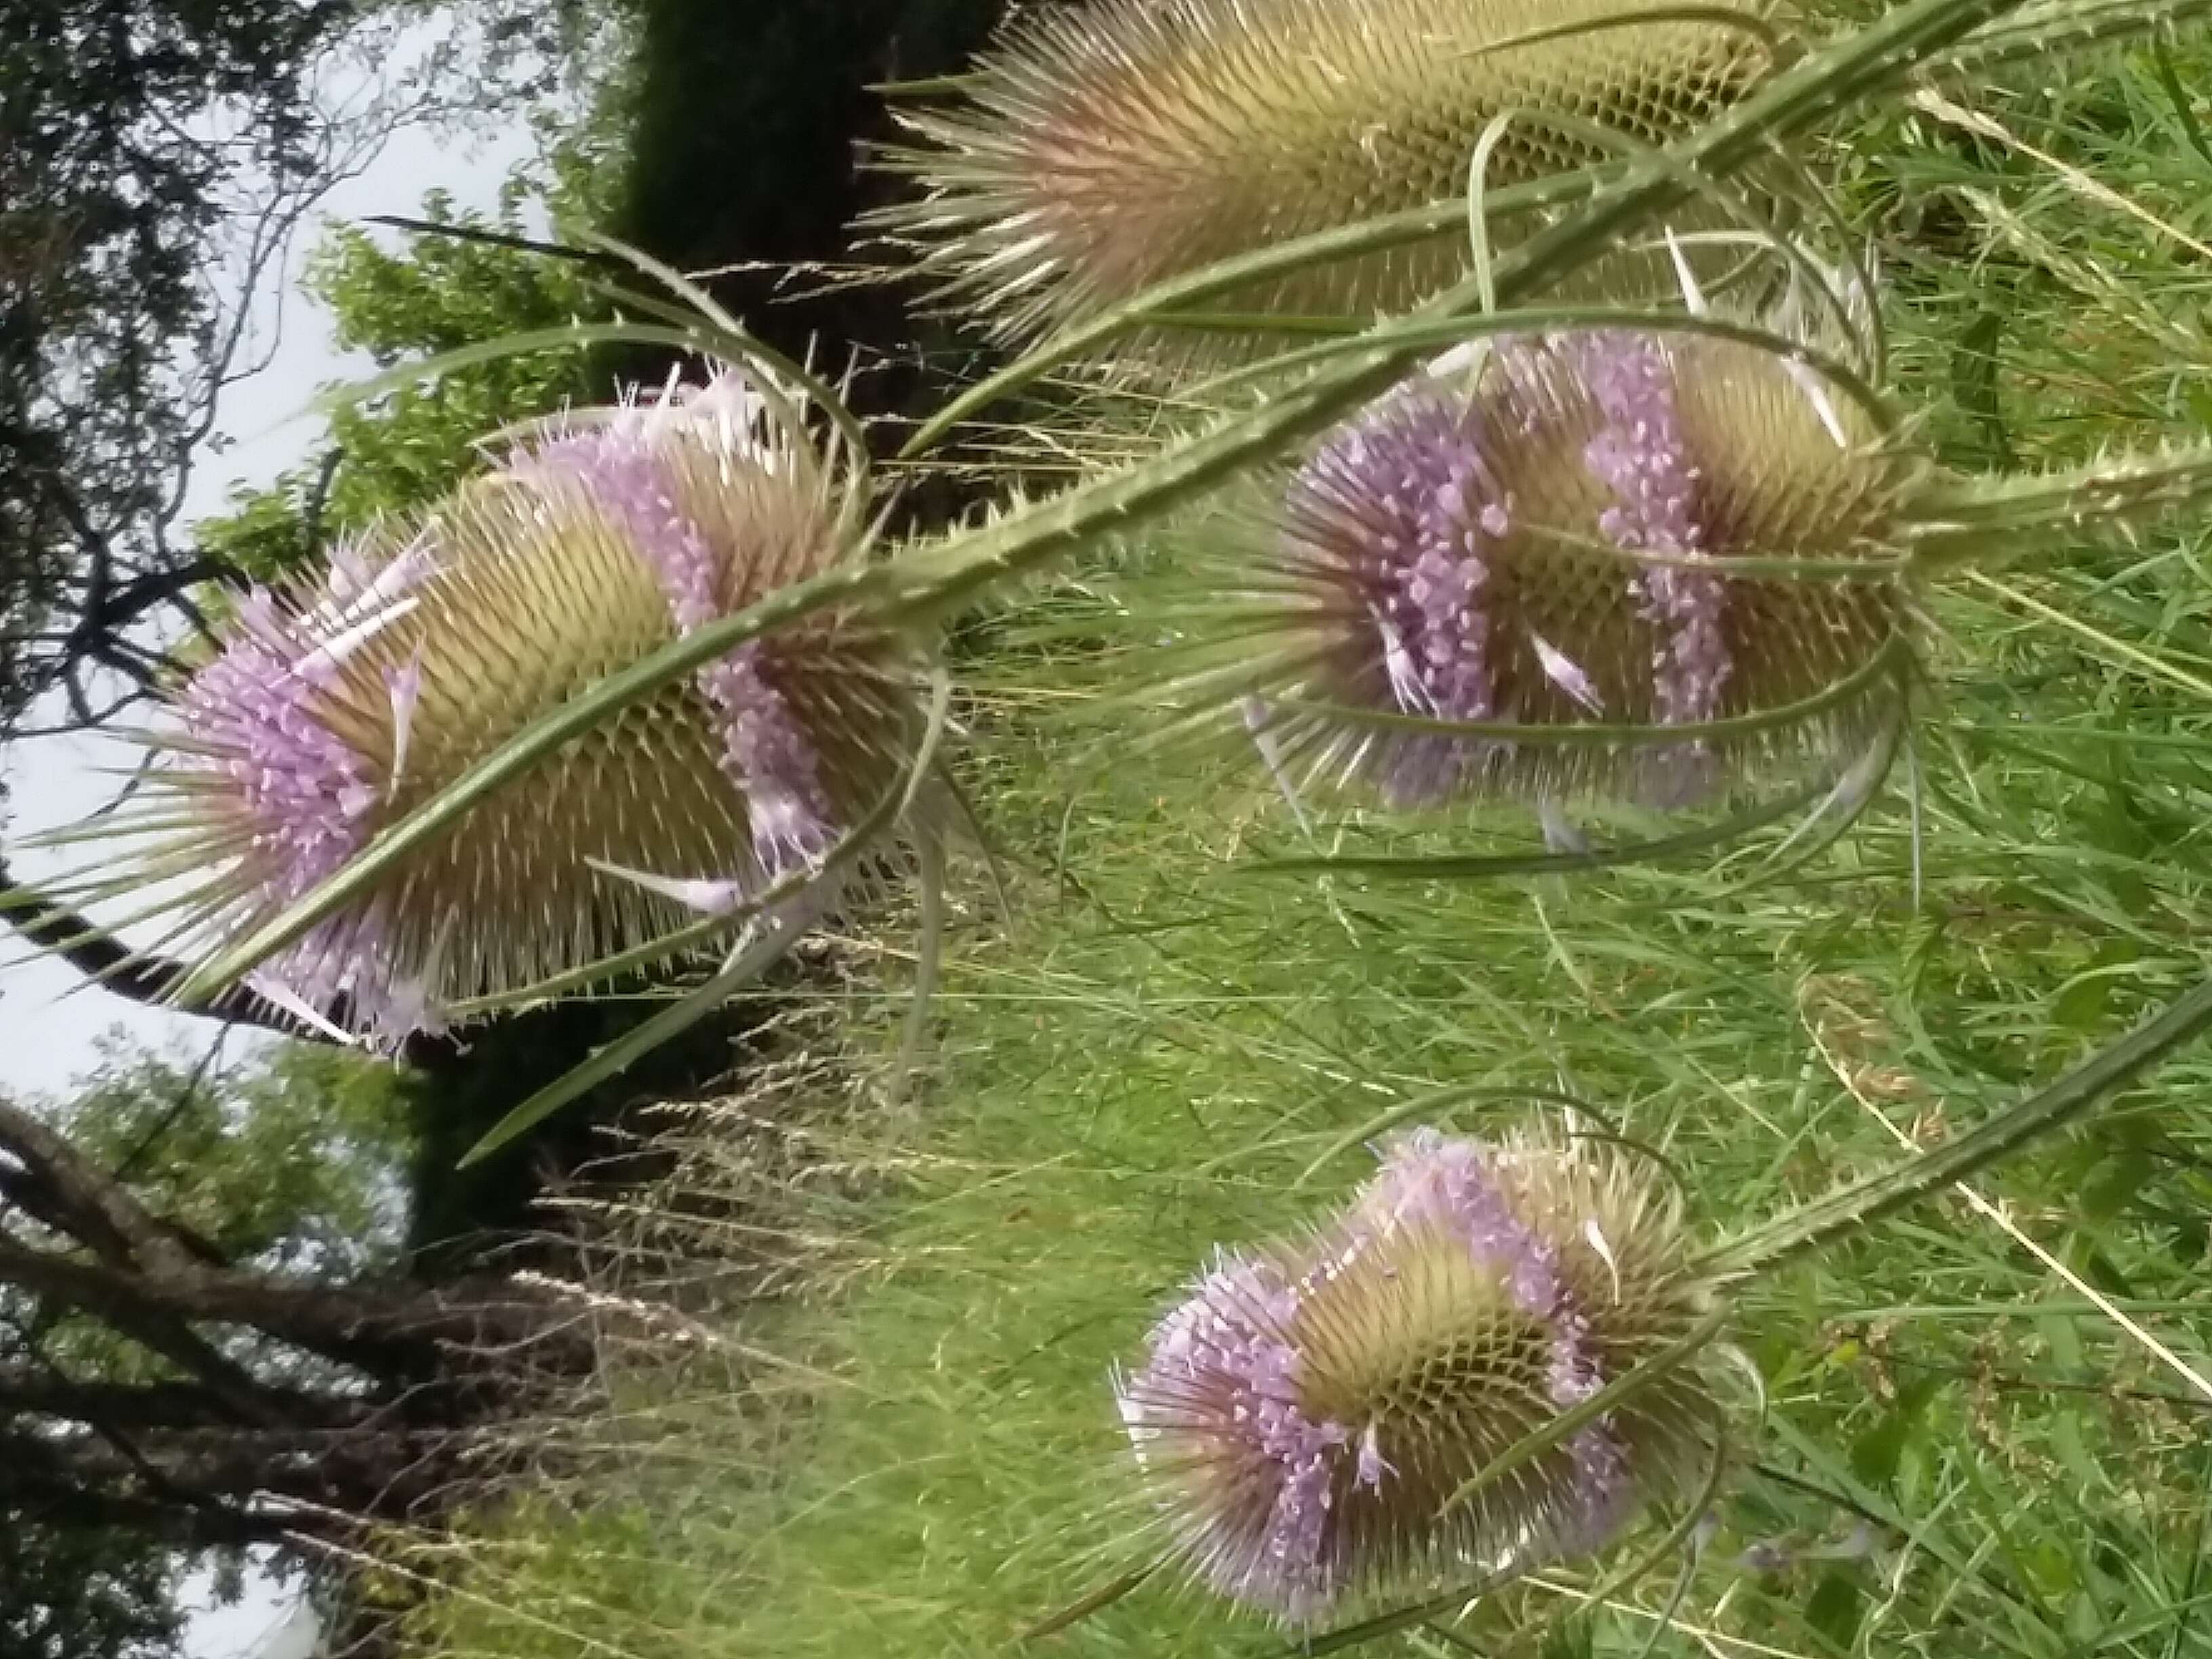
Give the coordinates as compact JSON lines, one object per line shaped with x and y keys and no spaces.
{"x":1530,"y":549}
{"x":1305,"y":1417}
{"x":1104,"y":148}
{"x":336,"y":707}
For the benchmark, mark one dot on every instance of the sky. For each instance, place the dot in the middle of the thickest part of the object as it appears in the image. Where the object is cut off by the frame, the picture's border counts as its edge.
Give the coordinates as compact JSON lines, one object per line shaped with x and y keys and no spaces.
{"x":49,"y":1019}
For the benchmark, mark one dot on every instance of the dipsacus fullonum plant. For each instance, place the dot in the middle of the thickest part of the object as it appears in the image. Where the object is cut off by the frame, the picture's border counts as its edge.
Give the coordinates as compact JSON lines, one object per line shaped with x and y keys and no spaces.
{"x":1553,"y":547}
{"x":334,"y":708}
{"x":1636,"y":561}
{"x":1102,"y":149}
{"x":1304,"y":1421}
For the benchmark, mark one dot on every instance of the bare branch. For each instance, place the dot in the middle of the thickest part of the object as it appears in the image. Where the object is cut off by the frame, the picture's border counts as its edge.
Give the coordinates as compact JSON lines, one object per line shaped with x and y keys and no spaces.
{"x":108,"y":1217}
{"x":35,"y":1391}
{"x":114,"y":1296}
{"x":93,"y":951}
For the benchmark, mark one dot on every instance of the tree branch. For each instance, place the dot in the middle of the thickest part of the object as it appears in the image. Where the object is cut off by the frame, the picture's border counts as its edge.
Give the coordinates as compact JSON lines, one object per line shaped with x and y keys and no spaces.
{"x":106,"y":1216}
{"x":69,"y":935}
{"x":128,"y":602}
{"x":391,"y":1331}
{"x":42,"y":1492}
{"x":113,"y":1295}
{"x":29,"y":1391}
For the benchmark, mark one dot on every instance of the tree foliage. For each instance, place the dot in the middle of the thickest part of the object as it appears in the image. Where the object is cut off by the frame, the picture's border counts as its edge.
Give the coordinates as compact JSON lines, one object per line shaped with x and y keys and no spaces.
{"x":156,"y":158}
{"x":126,"y":128}
{"x":292,"y":1162}
{"x":78,"y":1596}
{"x":456,"y":279}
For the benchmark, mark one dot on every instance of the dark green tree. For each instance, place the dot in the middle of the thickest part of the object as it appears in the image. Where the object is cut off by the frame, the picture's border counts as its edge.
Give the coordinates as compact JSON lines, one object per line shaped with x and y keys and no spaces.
{"x":775,"y":102}
{"x":459,"y":279}
{"x":209,"y":1334}
{"x":86,"y":1595}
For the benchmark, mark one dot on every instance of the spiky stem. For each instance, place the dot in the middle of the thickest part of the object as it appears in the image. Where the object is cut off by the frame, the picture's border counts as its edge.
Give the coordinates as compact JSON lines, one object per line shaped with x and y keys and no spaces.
{"x":2068,"y":25}
{"x":1968,"y":518}
{"x":1812,"y":1226}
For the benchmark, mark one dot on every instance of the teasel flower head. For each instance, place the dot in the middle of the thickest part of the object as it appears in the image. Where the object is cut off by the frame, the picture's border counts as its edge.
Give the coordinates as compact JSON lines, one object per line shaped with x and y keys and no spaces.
{"x":1102,"y":149}
{"x":1304,"y":1421}
{"x":334,"y":708}
{"x":1547,"y":546}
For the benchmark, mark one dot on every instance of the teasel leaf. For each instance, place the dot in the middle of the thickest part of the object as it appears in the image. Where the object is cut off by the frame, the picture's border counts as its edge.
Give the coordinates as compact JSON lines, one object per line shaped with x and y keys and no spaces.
{"x":1860,"y":1204}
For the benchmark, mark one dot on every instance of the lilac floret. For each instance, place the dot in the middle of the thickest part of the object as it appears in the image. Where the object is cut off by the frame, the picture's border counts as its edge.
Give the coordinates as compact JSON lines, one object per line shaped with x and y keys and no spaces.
{"x":1642,"y":456}
{"x":766,"y":750}
{"x":1400,"y":506}
{"x":1223,"y":1373}
{"x":254,"y":718}
{"x":1430,"y":1179}
{"x":628,"y":483}
{"x":303,"y":791}
{"x":773,"y":760}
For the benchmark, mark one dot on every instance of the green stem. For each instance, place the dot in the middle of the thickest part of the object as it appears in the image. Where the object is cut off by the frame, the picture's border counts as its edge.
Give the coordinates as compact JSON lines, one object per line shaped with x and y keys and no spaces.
{"x":1957,"y":519}
{"x":2069,"y":26}
{"x":1161,"y":302}
{"x":1812,"y":1226}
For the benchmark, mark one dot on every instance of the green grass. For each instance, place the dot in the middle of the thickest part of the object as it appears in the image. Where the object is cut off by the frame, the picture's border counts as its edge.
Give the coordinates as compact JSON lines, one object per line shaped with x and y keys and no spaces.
{"x":1164,"y":1049}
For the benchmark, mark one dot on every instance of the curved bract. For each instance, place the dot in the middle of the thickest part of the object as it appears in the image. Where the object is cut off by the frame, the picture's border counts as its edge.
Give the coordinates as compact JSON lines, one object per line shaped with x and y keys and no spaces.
{"x":1102,"y":149}
{"x":337,"y":708}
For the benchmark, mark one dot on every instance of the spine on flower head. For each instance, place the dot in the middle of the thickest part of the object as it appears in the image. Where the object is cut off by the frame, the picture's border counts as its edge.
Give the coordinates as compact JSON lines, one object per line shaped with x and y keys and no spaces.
{"x":1548,"y":546}
{"x":1104,"y":148}
{"x":1304,"y":1420}
{"x":635,"y":478}
{"x":336,"y":707}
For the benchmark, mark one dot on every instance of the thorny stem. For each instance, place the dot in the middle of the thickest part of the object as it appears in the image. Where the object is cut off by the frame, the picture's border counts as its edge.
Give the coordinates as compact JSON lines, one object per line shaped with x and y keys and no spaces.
{"x":1812,"y":1226}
